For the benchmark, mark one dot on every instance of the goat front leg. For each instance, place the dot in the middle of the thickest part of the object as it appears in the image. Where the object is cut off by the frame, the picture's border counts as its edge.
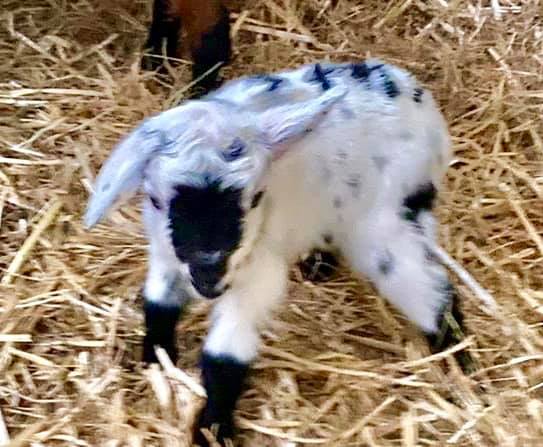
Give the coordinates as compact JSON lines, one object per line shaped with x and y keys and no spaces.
{"x":165,"y":292}
{"x":233,"y":340}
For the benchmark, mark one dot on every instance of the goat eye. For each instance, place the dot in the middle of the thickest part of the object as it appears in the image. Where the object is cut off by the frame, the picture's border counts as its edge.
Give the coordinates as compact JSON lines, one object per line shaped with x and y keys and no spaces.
{"x":235,"y":150}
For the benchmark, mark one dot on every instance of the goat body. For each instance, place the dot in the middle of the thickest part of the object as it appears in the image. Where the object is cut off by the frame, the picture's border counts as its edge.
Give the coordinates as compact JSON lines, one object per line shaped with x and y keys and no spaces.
{"x":244,"y":181}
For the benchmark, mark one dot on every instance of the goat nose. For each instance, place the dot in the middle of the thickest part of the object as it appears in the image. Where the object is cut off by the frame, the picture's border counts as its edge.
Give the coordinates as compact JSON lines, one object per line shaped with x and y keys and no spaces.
{"x":208,"y":257}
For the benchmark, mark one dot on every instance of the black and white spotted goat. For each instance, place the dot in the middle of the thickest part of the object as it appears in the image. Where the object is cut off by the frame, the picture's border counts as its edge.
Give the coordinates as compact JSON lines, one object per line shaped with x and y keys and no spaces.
{"x":242,"y":182}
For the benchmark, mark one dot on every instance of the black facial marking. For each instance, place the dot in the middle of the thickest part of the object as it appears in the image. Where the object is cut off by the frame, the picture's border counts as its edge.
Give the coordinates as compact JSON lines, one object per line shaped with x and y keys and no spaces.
{"x":342,"y":154}
{"x":417,"y":95}
{"x":421,"y":200}
{"x":215,"y":47}
{"x":256,"y":199}
{"x":163,"y":27}
{"x":327,"y":238}
{"x":223,"y":379}
{"x":319,"y":75}
{"x":386,"y":263}
{"x":206,"y":220}
{"x":160,"y":322}
{"x":354,"y":184}
{"x":338,"y":203}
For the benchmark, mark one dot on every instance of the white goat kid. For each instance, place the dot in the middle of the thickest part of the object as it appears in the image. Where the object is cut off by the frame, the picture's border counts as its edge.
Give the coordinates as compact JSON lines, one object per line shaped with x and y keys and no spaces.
{"x":241,"y":183}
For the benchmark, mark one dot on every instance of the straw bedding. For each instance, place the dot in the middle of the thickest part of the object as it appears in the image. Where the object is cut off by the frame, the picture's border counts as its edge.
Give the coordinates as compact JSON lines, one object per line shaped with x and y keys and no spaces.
{"x":339,"y":367}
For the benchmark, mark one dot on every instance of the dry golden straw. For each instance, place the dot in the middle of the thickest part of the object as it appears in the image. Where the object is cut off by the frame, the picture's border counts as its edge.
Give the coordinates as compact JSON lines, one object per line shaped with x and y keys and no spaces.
{"x":339,"y":367}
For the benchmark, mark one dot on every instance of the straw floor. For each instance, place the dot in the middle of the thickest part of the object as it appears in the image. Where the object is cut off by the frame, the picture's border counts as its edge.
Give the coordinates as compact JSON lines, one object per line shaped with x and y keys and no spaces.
{"x":339,"y":367}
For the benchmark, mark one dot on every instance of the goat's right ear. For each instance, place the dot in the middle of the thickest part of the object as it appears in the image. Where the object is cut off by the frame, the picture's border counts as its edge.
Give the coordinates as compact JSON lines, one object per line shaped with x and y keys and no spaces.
{"x":122,"y":172}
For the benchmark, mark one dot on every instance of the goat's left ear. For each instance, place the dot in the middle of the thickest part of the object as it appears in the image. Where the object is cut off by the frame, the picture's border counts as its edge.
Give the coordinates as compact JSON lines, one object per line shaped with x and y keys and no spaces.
{"x":283,"y":125}
{"x":122,"y":172}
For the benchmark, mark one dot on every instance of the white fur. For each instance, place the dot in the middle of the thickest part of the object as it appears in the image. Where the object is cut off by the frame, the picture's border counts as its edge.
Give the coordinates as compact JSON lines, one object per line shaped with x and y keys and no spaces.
{"x":389,"y":146}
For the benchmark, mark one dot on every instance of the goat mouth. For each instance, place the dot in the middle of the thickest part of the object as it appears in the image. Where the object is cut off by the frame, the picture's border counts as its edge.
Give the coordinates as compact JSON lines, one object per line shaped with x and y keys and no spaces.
{"x":209,"y":293}
{"x":208,"y":289}
{"x":207,"y":285}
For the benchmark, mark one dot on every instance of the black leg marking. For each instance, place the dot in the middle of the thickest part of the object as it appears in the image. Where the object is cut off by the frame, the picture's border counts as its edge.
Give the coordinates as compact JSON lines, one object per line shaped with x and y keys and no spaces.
{"x":223,"y":378}
{"x":319,"y":266}
{"x":417,"y":95}
{"x":215,"y":47}
{"x":451,"y":330}
{"x":162,"y":27}
{"x":421,"y":200}
{"x":160,"y":322}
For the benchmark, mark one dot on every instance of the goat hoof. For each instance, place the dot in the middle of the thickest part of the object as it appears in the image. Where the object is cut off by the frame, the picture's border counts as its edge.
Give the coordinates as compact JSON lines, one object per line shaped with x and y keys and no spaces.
{"x":149,"y":355}
{"x":225,"y":430}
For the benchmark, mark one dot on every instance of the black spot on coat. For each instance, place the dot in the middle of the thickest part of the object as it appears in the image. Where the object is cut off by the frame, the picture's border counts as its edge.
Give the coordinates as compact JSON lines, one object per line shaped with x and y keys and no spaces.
{"x":386,"y":263}
{"x":273,"y":81}
{"x":391,"y":89}
{"x":421,"y":200}
{"x":319,"y":75}
{"x":362,"y":72}
{"x":417,"y":95}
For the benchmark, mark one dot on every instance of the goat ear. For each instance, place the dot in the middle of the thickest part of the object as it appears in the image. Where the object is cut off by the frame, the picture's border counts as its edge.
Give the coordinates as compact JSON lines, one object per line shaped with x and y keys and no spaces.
{"x":281,"y":126}
{"x":122,"y":172}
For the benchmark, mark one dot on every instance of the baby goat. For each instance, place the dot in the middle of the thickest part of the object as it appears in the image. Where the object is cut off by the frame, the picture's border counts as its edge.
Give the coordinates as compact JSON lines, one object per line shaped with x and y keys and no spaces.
{"x":208,"y":34}
{"x":242,"y":182}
